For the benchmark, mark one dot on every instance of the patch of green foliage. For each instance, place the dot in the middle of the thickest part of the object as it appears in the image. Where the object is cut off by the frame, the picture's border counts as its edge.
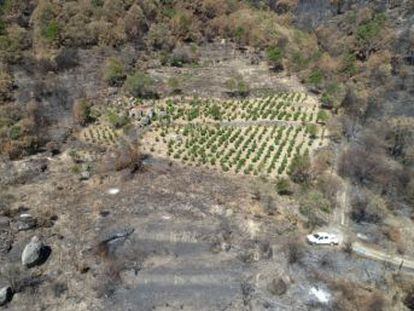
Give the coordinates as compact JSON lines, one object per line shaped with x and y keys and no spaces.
{"x":299,"y":169}
{"x":274,"y":54}
{"x":15,"y":132}
{"x":83,"y":112}
{"x":283,"y":186}
{"x":215,"y":112}
{"x":349,"y":66}
{"x":238,"y":86}
{"x":316,"y":77}
{"x":369,"y":31}
{"x":51,"y":31}
{"x":315,"y":200}
{"x":312,"y":130}
{"x":322,"y":116}
{"x":117,"y":120}
{"x":140,"y":84}
{"x":333,"y":95}
{"x":114,"y":72}
{"x":98,"y":3}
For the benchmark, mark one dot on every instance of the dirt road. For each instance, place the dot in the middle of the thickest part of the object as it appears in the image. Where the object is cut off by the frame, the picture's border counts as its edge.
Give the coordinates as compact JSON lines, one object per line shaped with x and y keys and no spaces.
{"x":341,"y":223}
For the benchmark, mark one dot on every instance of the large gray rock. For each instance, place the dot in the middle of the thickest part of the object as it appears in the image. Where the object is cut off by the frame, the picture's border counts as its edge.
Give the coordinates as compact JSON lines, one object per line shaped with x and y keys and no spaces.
{"x":5,"y":295}
{"x":32,"y":253}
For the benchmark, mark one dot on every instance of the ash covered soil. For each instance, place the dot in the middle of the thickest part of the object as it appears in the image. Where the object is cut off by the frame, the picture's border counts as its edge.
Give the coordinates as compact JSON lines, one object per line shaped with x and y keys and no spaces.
{"x":165,"y":238}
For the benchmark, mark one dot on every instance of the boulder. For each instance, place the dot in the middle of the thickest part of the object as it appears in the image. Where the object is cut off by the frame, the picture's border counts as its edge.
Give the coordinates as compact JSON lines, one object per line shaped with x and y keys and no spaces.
{"x":6,"y":294}
{"x":25,"y":222}
{"x":32,"y":253}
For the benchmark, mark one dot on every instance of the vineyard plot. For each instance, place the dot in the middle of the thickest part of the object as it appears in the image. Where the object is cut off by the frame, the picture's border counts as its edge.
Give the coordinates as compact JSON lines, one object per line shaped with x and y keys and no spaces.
{"x":289,"y":107}
{"x":257,"y":137}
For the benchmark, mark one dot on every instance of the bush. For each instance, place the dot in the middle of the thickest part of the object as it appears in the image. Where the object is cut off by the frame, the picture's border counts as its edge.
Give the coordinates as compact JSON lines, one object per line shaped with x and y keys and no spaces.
{"x":237,"y":86}
{"x":51,"y":31}
{"x":6,"y":86}
{"x":117,"y":120}
{"x":275,"y":56}
{"x":181,"y":56}
{"x":295,"y":252}
{"x":300,"y":168}
{"x":82,"y":112}
{"x":365,"y":209}
{"x":312,"y":130}
{"x":175,"y":85}
{"x":160,"y":38}
{"x":125,"y":157}
{"x":322,"y":116}
{"x":314,"y":201}
{"x":316,"y":77}
{"x":140,"y":85}
{"x":15,"y":132}
{"x":114,"y":72}
{"x":370,"y":31}
{"x":349,"y":66}
{"x":283,"y":186}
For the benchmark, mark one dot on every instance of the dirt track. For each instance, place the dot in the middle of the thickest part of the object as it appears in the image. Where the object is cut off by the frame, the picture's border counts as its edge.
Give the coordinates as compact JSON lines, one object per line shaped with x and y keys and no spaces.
{"x":341,"y":224}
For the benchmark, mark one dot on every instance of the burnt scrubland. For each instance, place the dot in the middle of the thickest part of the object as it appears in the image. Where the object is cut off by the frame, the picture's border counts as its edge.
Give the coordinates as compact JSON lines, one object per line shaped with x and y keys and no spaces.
{"x":173,"y":155}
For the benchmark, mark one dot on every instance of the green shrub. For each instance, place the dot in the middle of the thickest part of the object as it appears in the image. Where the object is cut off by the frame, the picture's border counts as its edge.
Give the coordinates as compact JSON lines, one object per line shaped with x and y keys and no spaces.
{"x":82,"y":112}
{"x":316,"y":77}
{"x":117,"y":120}
{"x":51,"y":31}
{"x":323,"y":116}
{"x":300,"y":168}
{"x":369,"y":31}
{"x":214,"y":112}
{"x":15,"y":132}
{"x":315,"y":200}
{"x":6,"y":86}
{"x":312,"y":130}
{"x":98,"y":3}
{"x":237,"y":86}
{"x":181,"y":56}
{"x":283,"y":186}
{"x":140,"y":85}
{"x":114,"y":73}
{"x":275,"y":57}
{"x":349,"y":65}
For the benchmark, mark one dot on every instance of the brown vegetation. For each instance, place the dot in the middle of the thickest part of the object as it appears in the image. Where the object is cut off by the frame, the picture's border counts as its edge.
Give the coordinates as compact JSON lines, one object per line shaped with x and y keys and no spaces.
{"x":124,"y":157}
{"x":82,"y":112}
